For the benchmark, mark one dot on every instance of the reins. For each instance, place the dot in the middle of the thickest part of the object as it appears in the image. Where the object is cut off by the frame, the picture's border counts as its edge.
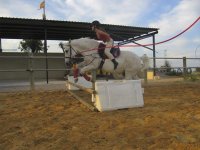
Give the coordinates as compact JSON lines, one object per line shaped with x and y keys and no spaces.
{"x":80,"y":53}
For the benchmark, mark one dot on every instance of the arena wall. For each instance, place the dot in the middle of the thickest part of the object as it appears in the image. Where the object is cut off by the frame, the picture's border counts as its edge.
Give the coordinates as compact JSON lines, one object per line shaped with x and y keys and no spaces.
{"x":23,"y":63}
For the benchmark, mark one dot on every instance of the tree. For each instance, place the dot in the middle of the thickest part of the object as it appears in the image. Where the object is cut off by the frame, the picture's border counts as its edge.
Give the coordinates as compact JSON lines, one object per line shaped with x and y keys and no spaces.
{"x":168,"y":65}
{"x":35,"y":46}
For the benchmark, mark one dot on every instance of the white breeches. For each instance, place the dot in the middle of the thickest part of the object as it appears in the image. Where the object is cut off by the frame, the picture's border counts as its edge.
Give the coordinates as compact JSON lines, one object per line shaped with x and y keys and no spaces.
{"x":107,"y":49}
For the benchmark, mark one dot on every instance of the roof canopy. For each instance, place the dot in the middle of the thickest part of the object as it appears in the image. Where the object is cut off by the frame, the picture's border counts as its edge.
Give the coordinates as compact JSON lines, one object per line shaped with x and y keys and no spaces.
{"x":19,"y":28}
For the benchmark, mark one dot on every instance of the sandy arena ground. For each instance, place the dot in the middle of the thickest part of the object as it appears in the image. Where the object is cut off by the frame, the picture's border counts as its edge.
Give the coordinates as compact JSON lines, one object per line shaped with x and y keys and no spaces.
{"x":54,"y":120}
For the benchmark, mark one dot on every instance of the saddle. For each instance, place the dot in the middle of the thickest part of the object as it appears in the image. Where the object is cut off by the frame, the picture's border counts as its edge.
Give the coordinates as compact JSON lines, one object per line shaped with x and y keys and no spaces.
{"x":115,"y":51}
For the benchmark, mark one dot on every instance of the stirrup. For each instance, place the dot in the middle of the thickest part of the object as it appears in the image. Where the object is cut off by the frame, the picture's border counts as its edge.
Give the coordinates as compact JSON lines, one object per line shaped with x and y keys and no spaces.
{"x":115,"y":65}
{"x":101,"y":64}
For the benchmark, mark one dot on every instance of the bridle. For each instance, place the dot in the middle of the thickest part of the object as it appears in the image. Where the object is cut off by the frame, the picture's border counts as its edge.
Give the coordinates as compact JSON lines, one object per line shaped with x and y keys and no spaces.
{"x":77,"y":57}
{"x":72,"y":49}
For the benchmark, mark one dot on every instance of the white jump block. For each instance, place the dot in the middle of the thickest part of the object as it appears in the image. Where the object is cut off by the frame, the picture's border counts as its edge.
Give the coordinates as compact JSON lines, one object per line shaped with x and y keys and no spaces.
{"x":113,"y":95}
{"x":81,"y":81}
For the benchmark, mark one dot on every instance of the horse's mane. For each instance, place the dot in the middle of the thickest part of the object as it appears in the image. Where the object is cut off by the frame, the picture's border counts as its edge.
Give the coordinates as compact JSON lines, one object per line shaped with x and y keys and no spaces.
{"x":85,"y":42}
{"x":85,"y":39}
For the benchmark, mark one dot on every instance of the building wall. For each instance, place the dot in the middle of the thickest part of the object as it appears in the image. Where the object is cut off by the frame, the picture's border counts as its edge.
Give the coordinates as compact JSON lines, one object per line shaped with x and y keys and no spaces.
{"x":23,"y":63}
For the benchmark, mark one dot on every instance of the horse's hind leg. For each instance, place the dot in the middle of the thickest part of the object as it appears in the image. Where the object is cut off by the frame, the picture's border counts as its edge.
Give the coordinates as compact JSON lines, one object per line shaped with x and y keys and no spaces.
{"x":141,"y":74}
{"x":118,"y":76}
{"x":128,"y":75}
{"x":135,"y":77}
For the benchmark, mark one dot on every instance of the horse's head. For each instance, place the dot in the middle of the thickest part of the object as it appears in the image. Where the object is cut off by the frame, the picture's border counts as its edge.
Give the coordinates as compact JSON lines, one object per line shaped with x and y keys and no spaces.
{"x":72,"y":55}
{"x":74,"y":50}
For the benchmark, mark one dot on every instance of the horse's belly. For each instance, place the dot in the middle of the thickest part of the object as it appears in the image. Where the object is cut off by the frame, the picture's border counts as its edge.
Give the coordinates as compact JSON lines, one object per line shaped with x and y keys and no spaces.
{"x":108,"y":66}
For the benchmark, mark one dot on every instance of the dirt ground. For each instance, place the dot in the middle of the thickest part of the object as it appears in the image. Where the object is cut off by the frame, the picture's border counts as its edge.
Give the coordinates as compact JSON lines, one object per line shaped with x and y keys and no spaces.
{"x":54,"y":120}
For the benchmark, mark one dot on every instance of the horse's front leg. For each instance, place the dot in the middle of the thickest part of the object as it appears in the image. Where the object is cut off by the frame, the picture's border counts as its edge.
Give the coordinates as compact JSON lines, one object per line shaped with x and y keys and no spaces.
{"x":76,"y":70}
{"x":86,"y":69}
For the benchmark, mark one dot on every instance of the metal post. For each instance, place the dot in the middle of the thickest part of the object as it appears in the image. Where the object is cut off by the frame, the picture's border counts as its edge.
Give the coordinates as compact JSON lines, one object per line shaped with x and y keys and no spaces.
{"x":145,"y":76}
{"x":30,"y":69}
{"x":45,"y":51}
{"x":0,"y":46}
{"x":154,"y":56}
{"x":93,"y":79}
{"x":70,"y":50}
{"x":184,"y":66}
{"x":45,"y":41}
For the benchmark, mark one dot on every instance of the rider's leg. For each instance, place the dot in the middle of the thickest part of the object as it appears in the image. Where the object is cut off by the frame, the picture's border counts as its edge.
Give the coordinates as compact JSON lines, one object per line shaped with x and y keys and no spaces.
{"x":109,"y":55}
{"x":115,"y":63}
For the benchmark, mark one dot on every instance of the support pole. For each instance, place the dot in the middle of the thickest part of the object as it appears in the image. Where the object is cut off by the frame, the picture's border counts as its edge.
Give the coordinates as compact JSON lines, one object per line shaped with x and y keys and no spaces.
{"x":94,"y":75}
{"x":45,"y":42}
{"x":145,"y":76}
{"x":184,"y":66}
{"x":0,"y":46}
{"x":154,"y":57}
{"x":45,"y":51}
{"x":30,"y":69}
{"x":93,"y":78}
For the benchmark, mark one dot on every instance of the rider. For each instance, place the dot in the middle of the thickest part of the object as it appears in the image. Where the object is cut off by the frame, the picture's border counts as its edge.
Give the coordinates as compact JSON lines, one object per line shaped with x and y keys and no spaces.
{"x":105,"y":37}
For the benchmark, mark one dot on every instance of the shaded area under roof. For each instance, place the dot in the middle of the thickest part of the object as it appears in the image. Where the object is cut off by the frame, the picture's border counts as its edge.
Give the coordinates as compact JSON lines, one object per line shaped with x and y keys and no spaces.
{"x":20,"y":28}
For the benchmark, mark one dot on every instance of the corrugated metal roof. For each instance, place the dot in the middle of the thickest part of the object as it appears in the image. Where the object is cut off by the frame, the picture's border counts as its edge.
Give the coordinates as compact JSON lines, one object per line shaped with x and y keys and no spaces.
{"x":23,"y":28}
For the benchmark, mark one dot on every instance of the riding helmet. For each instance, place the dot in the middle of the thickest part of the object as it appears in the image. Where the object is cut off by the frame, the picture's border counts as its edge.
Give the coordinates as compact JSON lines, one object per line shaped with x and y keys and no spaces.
{"x":96,"y":23}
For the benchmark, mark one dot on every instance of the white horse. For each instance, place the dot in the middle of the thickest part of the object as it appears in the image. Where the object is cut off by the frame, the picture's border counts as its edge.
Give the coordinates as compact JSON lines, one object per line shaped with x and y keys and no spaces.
{"x":130,"y":65}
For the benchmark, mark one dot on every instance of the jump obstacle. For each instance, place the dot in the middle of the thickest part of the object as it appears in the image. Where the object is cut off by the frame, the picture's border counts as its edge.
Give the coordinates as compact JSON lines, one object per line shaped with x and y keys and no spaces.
{"x":107,"y":95}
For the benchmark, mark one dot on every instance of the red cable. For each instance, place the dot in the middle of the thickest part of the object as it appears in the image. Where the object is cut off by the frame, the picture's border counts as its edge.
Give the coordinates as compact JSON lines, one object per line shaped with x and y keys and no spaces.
{"x":173,"y":36}
{"x":181,"y":32}
{"x":158,"y":42}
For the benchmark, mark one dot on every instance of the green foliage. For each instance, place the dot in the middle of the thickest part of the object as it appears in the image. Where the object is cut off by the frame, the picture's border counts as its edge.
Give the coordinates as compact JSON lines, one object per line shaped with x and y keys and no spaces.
{"x":35,"y":46}
{"x":197,"y":69}
{"x":192,"y":77}
{"x":167,"y":64}
{"x":174,"y":73}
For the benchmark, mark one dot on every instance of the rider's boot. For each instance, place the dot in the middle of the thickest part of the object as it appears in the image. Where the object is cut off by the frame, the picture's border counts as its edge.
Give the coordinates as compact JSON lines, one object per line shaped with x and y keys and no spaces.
{"x":115,"y":63}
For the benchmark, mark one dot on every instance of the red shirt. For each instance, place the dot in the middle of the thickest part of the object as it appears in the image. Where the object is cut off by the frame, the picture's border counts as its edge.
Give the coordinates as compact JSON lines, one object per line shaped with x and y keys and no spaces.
{"x":105,"y":37}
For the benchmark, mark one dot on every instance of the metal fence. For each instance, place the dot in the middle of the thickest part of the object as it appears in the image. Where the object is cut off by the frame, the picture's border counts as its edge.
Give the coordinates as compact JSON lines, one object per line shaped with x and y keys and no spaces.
{"x":182,"y":65}
{"x":31,"y":69}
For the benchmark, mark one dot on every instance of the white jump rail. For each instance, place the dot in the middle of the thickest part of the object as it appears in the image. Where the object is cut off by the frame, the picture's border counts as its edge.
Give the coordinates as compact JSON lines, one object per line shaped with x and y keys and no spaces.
{"x":109,"y":95}
{"x":70,"y":85}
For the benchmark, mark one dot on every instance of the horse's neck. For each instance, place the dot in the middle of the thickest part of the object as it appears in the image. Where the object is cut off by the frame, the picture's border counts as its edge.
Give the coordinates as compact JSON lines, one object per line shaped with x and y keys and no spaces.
{"x":86,"y":45}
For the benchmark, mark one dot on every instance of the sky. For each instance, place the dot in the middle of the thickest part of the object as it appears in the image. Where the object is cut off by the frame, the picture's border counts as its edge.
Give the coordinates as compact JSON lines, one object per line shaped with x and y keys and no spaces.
{"x":170,"y":16}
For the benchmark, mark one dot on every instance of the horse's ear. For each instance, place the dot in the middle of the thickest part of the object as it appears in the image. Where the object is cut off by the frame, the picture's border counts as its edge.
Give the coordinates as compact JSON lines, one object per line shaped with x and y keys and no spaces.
{"x":61,"y":46}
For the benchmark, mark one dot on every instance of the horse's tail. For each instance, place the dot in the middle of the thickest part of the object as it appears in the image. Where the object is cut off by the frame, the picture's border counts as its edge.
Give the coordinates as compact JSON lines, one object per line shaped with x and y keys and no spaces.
{"x":145,"y":66}
{"x":145,"y":62}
